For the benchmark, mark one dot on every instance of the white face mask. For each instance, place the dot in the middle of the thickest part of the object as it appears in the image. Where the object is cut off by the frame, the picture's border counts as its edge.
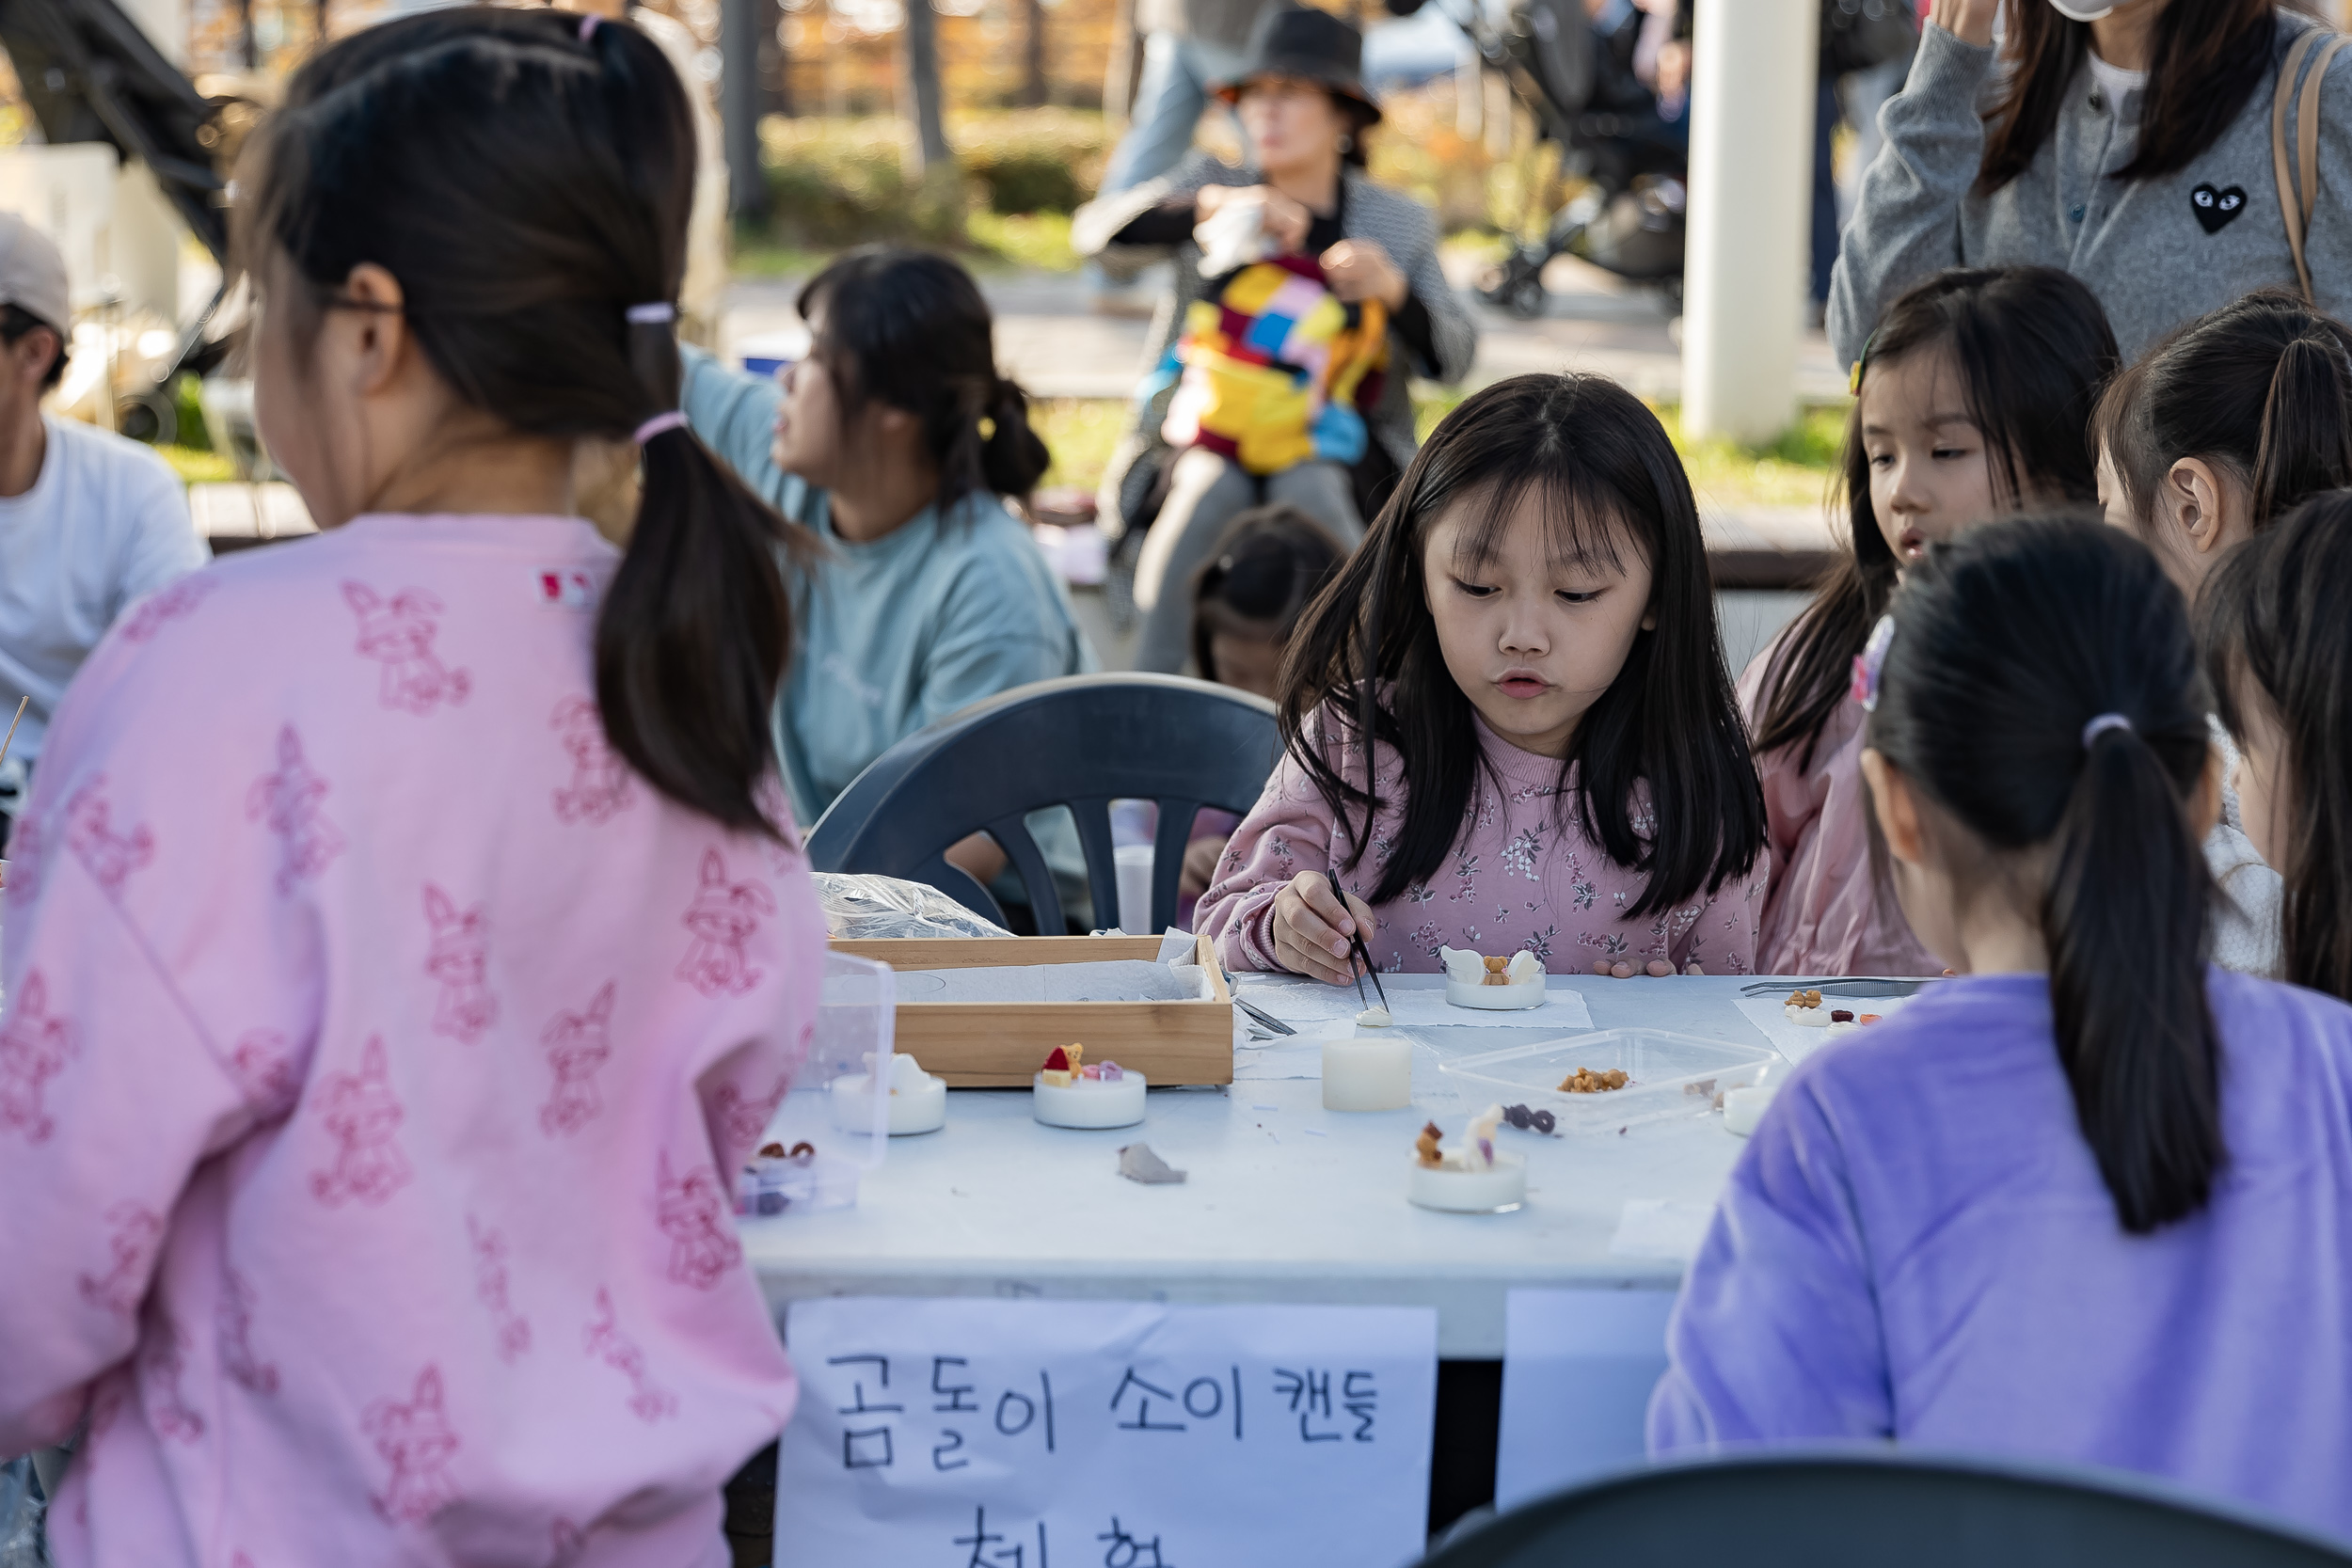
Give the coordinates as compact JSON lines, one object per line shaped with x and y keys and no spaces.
{"x":2078,"y":13}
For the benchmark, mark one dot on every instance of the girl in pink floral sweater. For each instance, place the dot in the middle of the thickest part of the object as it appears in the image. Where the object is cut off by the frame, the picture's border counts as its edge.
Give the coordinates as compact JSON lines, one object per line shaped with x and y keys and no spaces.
{"x":1557,"y":765}
{"x":404,"y":945}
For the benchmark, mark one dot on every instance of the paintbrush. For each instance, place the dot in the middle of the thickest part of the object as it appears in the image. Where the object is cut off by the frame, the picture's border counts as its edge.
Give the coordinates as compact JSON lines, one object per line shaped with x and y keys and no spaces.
{"x":10,"y":740}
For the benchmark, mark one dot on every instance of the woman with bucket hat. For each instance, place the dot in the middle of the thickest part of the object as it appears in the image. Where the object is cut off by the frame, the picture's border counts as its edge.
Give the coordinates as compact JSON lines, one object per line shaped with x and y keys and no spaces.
{"x":1305,"y":296}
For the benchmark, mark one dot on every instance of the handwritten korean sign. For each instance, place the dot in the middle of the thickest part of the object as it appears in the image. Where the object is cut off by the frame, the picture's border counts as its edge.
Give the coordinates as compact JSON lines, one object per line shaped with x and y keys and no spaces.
{"x":961,"y":1434}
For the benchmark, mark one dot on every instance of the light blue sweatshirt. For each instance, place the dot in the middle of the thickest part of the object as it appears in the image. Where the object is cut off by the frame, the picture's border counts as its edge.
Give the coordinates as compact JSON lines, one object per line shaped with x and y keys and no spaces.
{"x":897,"y":632}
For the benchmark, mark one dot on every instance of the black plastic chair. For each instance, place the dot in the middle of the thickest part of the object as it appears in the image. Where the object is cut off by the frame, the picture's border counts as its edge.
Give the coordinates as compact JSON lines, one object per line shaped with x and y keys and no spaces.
{"x":1082,"y":741}
{"x":1855,"y":1508}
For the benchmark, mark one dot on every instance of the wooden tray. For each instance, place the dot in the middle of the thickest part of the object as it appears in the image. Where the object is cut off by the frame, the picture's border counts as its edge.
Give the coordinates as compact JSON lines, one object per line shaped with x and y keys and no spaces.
{"x":999,"y":1045}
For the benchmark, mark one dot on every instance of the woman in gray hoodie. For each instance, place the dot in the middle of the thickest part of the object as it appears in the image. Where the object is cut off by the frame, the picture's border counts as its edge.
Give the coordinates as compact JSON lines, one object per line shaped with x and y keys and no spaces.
{"x":2133,"y":148}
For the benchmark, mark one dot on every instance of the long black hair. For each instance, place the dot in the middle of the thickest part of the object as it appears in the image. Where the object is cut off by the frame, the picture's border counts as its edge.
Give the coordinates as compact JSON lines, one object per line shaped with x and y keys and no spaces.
{"x":2209,"y":57}
{"x":2261,"y":388}
{"x":2009,"y":642}
{"x":1366,"y":657}
{"x":525,"y":176}
{"x":909,"y":330}
{"x":2274,"y":632}
{"x":2033,"y":348}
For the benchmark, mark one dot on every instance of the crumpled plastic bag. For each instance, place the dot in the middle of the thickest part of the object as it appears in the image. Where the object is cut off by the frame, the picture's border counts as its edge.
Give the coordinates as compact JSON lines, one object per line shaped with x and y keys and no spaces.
{"x":22,"y":1543}
{"x":865,"y":908}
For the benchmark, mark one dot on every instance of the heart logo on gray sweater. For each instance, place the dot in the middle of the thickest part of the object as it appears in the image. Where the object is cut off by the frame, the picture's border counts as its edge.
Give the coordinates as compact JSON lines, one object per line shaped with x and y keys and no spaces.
{"x":2215,"y":209}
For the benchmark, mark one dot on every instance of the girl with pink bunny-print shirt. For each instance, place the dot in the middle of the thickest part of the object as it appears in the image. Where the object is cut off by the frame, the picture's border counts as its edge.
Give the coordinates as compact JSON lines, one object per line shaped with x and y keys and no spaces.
{"x":1528,"y":636}
{"x":404,"y":942}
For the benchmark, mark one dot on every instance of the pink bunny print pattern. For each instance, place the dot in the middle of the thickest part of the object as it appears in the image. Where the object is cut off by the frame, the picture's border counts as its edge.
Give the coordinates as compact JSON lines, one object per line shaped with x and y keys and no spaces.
{"x":246,"y":1370}
{"x":361,"y":1113}
{"x":34,"y":1048}
{"x":266,"y":1068}
{"x":166,"y":605}
{"x":27,"y":847}
{"x":460,"y":961}
{"x":741,"y":1119}
{"x":137,"y":1236}
{"x":616,"y":1350}
{"x":288,"y":800}
{"x":110,"y":857}
{"x":576,"y":1044}
{"x":692,"y":1212}
{"x":599,"y":783}
{"x":490,"y":1288}
{"x":164,"y":1348}
{"x":399,"y":635}
{"x":416,"y":1441}
{"x":723,"y":917}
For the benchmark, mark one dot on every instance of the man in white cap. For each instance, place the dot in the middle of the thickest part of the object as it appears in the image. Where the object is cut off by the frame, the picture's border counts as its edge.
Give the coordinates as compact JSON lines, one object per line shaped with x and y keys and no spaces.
{"x":88,"y":521}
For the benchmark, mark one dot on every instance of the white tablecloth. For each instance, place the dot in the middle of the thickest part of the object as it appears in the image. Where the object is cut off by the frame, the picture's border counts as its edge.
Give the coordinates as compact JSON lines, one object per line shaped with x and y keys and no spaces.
{"x":1286,"y":1201}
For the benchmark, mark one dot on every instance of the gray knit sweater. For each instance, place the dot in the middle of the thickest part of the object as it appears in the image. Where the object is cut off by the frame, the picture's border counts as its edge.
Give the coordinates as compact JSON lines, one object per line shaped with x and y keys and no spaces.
{"x":2142,"y":247}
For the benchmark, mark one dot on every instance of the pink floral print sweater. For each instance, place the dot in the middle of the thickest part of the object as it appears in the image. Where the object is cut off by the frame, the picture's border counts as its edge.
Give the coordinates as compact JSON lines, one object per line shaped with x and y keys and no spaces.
{"x":1520,"y":875}
{"x":377,"y":1051}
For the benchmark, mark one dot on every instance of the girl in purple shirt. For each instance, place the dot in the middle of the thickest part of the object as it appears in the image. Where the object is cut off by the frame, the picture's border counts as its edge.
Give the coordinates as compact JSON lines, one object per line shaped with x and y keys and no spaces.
{"x":2093,"y":1201}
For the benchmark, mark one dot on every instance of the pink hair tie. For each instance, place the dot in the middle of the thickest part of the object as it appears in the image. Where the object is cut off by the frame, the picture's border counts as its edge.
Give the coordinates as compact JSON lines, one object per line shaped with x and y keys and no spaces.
{"x":588,"y":27}
{"x":673,"y":419}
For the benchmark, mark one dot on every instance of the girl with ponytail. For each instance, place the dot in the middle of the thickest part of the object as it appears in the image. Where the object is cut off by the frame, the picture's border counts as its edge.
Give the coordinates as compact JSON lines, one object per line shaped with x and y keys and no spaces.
{"x":406,"y":941}
{"x":2086,"y":1202}
{"x":896,"y":443}
{"x":2278,"y":650}
{"x":2226,"y":425}
{"x":2215,"y":433}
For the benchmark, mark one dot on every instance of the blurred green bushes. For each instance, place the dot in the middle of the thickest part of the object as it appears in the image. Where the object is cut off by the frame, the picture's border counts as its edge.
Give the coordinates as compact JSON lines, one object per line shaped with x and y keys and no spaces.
{"x":835,"y":182}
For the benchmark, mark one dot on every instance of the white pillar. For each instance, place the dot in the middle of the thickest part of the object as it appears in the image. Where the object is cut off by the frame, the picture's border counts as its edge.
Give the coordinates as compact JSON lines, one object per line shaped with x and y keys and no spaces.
{"x":1753,"y":86}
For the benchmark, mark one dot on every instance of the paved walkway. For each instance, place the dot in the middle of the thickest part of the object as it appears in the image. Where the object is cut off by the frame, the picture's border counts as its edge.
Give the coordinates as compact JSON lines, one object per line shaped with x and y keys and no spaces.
{"x":1052,"y":342}
{"x":1050,"y":339}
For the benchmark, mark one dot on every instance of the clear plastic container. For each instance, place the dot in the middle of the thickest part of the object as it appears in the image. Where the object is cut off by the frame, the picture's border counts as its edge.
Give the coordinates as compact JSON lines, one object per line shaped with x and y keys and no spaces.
{"x":1670,"y":1075}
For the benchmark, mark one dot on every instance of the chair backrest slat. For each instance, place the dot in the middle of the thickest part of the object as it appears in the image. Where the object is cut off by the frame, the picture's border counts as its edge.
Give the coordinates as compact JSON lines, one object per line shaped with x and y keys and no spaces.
{"x":1168,"y":857}
{"x":1012,"y":834}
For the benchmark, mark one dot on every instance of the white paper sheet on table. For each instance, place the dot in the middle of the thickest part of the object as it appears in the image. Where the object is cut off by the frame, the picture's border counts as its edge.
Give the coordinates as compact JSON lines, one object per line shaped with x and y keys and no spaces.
{"x":1018,"y":1435}
{"x":1795,"y":1040}
{"x":1578,"y":1368}
{"x":1305,"y":1002}
{"x":1662,"y":1227}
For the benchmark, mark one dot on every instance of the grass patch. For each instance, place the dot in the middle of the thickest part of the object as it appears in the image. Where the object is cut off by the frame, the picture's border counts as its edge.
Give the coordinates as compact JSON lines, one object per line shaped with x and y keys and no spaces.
{"x":1794,"y":471}
{"x":196,"y":467}
{"x":1081,"y":433}
{"x":1036,"y":242}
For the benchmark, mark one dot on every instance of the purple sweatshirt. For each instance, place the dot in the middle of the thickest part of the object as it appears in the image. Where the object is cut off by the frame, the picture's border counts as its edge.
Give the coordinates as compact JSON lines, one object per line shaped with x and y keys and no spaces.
{"x":1917,"y":1245}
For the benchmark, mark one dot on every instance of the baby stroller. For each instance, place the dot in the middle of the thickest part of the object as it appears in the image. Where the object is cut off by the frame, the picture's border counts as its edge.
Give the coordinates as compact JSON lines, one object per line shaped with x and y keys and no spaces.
{"x":90,"y":74}
{"x":1581,"y":84}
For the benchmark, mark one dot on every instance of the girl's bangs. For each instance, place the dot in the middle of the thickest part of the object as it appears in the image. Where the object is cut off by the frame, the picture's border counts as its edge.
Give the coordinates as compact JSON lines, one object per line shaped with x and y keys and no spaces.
{"x":1588,"y":526}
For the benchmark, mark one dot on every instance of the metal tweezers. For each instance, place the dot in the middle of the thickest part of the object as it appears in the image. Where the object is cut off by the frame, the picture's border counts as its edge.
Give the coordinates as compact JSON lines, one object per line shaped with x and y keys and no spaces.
{"x":1363,"y":956}
{"x":1266,"y":1018}
{"x":1852,"y":984}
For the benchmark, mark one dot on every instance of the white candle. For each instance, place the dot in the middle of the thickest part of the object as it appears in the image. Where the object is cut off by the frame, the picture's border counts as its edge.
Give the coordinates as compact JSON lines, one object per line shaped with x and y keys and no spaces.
{"x":1087,"y":1103}
{"x":1744,"y":1107}
{"x":1496,"y":1190}
{"x":918,"y":1100}
{"x":1371,"y":1072}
